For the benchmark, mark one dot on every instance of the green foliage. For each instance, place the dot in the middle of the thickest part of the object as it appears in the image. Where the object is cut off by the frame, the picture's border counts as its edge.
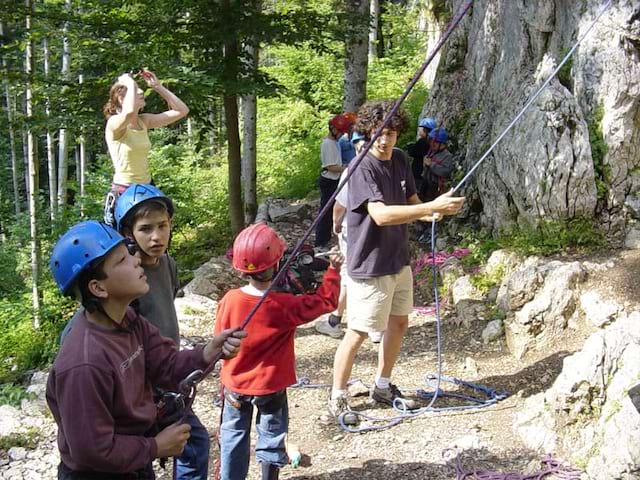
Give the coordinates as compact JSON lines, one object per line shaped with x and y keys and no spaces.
{"x":13,"y":395}
{"x":27,"y":439}
{"x":599,"y":149}
{"x":547,"y":238}
{"x":564,"y":74}
{"x":551,"y":237}
{"x":484,"y":282}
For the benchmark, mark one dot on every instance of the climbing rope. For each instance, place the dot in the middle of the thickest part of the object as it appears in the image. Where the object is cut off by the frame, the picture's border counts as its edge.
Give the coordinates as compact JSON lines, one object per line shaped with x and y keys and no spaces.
{"x":550,"y":466}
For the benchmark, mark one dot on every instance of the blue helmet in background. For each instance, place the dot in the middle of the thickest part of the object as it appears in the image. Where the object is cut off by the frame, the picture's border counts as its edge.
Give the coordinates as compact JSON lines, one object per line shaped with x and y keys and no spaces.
{"x":82,"y":244}
{"x":356,"y":137}
{"x":440,"y":135}
{"x":428,"y":123}
{"x":135,"y":195}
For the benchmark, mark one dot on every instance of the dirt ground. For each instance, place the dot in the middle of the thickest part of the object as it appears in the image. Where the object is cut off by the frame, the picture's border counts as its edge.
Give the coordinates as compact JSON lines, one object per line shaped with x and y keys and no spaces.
{"x":426,"y":447}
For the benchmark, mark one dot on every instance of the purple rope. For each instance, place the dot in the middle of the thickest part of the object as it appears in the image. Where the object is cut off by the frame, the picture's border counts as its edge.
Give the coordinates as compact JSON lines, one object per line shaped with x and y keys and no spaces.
{"x":550,"y":466}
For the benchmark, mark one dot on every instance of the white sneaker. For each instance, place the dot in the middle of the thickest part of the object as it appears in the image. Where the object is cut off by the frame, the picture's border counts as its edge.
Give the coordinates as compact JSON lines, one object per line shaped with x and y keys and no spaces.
{"x":322,"y":326}
{"x":376,"y":337}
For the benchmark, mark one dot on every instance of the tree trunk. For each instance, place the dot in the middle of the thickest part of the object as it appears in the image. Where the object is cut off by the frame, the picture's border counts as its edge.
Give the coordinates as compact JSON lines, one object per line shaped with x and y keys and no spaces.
{"x":374,"y":16}
{"x":380,"y":38}
{"x":249,"y":135}
{"x":230,"y":102}
{"x":51,"y":155}
{"x":12,"y":138}
{"x":356,"y":60}
{"x":83,"y":162}
{"x":63,"y":149}
{"x":234,"y":160}
{"x":33,"y":172}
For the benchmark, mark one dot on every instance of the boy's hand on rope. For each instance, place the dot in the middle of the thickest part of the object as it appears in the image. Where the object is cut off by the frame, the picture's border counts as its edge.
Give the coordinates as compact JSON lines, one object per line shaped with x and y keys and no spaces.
{"x":447,"y":204}
{"x":335,"y":259}
{"x":170,"y":442}
{"x":226,"y":342}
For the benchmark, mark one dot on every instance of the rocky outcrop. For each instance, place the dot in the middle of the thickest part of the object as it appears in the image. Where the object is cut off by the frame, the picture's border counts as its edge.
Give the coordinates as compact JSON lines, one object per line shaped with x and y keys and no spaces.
{"x":547,"y":167}
{"x":588,"y":414}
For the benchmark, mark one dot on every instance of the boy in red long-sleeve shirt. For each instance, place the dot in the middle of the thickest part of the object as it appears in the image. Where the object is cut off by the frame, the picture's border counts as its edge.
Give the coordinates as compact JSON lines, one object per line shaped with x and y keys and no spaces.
{"x":265,"y":365}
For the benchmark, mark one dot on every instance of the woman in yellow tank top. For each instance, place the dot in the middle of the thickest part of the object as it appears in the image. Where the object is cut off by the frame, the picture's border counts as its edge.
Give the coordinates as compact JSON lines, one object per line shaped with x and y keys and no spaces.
{"x":126,"y":131}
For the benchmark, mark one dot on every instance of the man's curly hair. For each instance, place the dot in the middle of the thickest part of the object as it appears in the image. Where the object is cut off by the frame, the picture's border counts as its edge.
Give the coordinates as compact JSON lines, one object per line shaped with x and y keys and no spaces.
{"x":371,"y":115}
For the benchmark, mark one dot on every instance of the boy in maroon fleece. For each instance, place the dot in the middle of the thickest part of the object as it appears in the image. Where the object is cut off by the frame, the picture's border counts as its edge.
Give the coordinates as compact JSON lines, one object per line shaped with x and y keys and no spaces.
{"x":265,"y":366}
{"x":99,"y":388}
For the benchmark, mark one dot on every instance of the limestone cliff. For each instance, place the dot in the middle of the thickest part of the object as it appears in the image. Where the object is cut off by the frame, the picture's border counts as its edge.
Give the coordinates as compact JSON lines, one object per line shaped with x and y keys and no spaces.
{"x":576,"y":152}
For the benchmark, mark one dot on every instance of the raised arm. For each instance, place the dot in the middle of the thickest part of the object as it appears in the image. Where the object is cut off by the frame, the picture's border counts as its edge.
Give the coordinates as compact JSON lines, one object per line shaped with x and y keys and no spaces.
{"x":177,"y":108}
{"x":385,"y":215}
{"x":117,"y":124}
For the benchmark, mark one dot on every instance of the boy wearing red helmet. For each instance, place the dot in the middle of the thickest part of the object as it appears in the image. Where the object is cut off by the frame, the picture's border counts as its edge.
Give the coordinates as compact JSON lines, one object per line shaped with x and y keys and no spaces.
{"x":265,"y":365}
{"x":331,"y":163}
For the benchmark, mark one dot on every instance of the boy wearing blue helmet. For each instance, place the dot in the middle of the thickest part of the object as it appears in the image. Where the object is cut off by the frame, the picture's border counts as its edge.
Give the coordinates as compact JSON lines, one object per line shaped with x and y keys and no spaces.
{"x":438,"y":165}
{"x":143,"y":214}
{"x":99,"y":388}
{"x":420,"y":148}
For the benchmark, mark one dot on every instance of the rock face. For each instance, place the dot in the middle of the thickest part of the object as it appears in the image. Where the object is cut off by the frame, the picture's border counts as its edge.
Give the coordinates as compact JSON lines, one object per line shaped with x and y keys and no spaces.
{"x":540,"y":297}
{"x":587,"y":414}
{"x":544,"y":168}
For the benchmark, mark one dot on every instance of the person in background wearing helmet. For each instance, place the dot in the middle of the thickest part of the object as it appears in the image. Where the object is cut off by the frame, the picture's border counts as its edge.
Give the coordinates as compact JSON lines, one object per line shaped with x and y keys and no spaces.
{"x":347,"y":150}
{"x":330,"y":325}
{"x":99,"y":389}
{"x":438,"y":166}
{"x":420,"y":148}
{"x":382,"y":201}
{"x":331,"y":161}
{"x":143,"y":214}
{"x":265,"y":366}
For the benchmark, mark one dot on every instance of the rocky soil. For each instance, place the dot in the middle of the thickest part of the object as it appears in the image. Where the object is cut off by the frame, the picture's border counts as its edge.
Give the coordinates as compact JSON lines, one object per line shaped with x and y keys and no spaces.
{"x":426,"y":447}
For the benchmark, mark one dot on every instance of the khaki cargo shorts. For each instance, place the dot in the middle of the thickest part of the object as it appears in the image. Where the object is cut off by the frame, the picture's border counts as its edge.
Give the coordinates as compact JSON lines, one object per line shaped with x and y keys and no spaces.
{"x":370,"y":301}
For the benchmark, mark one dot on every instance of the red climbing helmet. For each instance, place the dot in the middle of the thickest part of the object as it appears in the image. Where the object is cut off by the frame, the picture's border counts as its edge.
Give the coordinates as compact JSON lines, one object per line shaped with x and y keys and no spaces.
{"x":257,"y":248}
{"x":340,"y":123}
{"x":351,"y":116}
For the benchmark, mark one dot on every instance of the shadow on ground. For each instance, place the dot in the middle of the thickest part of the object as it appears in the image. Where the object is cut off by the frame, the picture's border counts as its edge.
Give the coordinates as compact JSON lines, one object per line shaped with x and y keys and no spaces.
{"x":455,"y":466}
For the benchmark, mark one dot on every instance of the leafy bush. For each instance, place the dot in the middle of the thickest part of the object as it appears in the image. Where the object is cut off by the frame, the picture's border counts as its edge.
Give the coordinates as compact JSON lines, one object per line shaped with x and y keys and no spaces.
{"x":599,"y":149}
{"x":27,"y":439}
{"x":13,"y":394}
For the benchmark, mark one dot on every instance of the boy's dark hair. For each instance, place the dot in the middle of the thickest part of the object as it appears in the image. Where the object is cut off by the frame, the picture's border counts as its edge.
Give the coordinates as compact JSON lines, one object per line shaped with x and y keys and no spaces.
{"x":142,"y":210}
{"x":371,"y":115}
{"x":81,"y":287}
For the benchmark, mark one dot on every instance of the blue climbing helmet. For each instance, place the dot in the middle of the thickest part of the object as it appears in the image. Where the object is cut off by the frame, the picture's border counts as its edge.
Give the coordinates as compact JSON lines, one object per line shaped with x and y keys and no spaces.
{"x":356,"y":137}
{"x":83,"y":243}
{"x":428,"y":123}
{"x":135,"y":195}
{"x":440,"y":135}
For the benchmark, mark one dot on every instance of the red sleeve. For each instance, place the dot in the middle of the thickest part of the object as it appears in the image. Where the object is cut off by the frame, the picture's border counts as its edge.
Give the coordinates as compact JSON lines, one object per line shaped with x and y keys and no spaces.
{"x":88,"y":425}
{"x":303,"y":309}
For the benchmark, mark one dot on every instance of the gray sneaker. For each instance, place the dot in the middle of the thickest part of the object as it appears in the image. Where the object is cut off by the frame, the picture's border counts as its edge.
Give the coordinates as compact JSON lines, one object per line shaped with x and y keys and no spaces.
{"x":340,"y":405}
{"x":388,"y":395}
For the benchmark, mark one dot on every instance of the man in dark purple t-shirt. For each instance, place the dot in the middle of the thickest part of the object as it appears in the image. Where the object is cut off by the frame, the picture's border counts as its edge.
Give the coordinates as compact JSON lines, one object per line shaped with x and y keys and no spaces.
{"x":382,"y":200}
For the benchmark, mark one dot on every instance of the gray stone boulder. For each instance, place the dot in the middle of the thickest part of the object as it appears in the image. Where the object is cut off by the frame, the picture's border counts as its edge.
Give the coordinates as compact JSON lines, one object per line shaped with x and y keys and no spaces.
{"x":587,"y":414}
{"x":598,"y":311}
{"x":545,"y":317}
{"x":520,"y":286}
{"x":213,"y":279}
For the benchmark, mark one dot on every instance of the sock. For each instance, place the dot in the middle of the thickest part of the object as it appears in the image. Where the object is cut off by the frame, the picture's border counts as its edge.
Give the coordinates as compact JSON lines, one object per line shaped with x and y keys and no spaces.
{"x":334,"y":320}
{"x":335,"y":393}
{"x":383,"y":382}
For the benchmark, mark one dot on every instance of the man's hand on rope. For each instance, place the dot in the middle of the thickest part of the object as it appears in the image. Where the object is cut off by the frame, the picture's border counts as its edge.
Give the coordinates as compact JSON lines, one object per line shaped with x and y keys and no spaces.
{"x":447,"y":204}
